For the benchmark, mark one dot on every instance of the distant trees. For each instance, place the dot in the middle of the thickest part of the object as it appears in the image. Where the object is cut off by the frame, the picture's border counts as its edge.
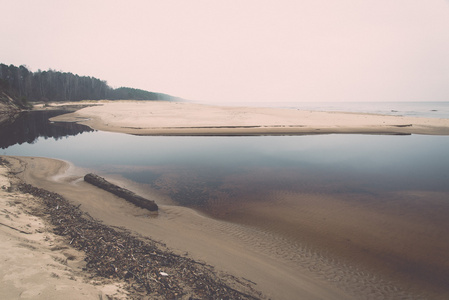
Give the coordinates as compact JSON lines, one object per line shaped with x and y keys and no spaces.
{"x":136,"y":94}
{"x":24,"y":86}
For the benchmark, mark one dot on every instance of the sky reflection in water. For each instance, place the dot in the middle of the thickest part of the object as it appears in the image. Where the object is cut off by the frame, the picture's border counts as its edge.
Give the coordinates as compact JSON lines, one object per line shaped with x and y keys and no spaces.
{"x":199,"y":167}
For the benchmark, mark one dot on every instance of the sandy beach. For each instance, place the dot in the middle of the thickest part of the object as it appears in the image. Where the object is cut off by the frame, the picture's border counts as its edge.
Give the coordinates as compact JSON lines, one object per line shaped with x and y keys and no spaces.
{"x":321,"y":256}
{"x":179,"y":118}
{"x":36,"y":263}
{"x":231,"y":248}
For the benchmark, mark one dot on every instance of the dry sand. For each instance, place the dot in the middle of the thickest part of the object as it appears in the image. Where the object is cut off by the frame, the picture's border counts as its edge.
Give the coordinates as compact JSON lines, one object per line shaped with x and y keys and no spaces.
{"x":35,"y":263}
{"x":175,"y":118}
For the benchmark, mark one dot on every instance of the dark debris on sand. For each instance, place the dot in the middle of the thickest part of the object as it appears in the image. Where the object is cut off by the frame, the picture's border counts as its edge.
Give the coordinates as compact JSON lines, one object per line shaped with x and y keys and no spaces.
{"x":148,"y":270}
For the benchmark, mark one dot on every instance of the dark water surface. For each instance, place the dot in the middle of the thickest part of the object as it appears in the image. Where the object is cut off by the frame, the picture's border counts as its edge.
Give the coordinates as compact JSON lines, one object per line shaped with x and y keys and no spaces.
{"x":197,"y":170}
{"x":200,"y":166}
{"x":377,"y":199}
{"x":335,"y":163}
{"x":27,"y":127}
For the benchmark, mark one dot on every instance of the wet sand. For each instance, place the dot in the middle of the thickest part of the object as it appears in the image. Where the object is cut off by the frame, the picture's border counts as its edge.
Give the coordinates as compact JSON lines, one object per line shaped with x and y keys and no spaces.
{"x":236,"y":249}
{"x":382,"y":241}
{"x":400,"y":243}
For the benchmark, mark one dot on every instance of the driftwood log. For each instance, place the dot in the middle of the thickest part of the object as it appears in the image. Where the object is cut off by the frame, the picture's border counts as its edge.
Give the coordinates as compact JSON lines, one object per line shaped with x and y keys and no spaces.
{"x":121,"y":192}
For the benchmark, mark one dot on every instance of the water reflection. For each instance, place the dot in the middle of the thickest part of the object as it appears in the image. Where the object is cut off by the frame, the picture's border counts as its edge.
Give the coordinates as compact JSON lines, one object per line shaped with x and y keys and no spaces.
{"x":378,"y":200}
{"x":29,"y":126}
{"x":197,"y":171}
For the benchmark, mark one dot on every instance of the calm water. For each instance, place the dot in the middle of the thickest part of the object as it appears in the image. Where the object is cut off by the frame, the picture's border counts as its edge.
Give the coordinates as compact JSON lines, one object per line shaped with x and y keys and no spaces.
{"x":29,"y":126}
{"x":380,"y":201}
{"x":203,"y":167}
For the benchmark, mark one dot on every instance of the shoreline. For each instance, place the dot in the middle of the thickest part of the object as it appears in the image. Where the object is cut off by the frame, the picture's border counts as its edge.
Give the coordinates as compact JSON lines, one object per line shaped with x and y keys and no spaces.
{"x":183,"y":231}
{"x":37,"y":263}
{"x":278,"y":269}
{"x":267,"y":262}
{"x":180,"y":118}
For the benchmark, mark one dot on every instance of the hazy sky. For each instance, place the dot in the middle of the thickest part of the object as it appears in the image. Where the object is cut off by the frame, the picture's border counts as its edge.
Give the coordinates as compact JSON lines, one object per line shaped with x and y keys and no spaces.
{"x":240,"y":50}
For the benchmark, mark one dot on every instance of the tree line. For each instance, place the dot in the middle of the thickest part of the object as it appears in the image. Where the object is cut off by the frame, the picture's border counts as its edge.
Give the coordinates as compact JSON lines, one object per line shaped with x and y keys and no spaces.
{"x":25,"y":86}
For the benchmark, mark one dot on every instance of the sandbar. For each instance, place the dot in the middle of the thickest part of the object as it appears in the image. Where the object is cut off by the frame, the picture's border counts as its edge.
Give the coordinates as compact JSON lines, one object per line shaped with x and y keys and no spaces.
{"x":184,"y":118}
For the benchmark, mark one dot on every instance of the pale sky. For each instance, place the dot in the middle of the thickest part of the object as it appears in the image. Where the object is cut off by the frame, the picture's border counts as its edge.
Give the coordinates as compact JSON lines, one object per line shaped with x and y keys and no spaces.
{"x":240,"y":50}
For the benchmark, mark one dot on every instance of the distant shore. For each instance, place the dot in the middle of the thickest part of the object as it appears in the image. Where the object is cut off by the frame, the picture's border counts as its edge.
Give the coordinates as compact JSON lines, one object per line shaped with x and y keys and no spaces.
{"x":182,"y":118}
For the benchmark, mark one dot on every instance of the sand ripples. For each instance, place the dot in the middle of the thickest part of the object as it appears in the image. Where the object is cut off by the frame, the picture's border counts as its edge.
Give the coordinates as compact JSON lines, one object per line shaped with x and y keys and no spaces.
{"x":368,"y":245}
{"x":279,"y":234}
{"x":354,"y":280}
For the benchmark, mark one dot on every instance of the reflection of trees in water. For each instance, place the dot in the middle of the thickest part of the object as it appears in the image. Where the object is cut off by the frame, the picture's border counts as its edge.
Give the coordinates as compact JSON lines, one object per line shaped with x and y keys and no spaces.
{"x":29,"y":126}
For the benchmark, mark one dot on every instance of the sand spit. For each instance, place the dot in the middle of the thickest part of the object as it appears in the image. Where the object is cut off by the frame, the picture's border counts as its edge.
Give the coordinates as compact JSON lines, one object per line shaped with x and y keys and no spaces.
{"x":180,"y":118}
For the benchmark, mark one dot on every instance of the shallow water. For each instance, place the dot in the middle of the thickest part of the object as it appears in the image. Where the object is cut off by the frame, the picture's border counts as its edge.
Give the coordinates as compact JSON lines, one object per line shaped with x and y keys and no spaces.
{"x":378,"y":201}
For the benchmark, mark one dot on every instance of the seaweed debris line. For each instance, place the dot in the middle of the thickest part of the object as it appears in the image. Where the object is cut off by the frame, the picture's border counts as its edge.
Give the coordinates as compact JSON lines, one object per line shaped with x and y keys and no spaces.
{"x":121,"y":192}
{"x":146,"y":268}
